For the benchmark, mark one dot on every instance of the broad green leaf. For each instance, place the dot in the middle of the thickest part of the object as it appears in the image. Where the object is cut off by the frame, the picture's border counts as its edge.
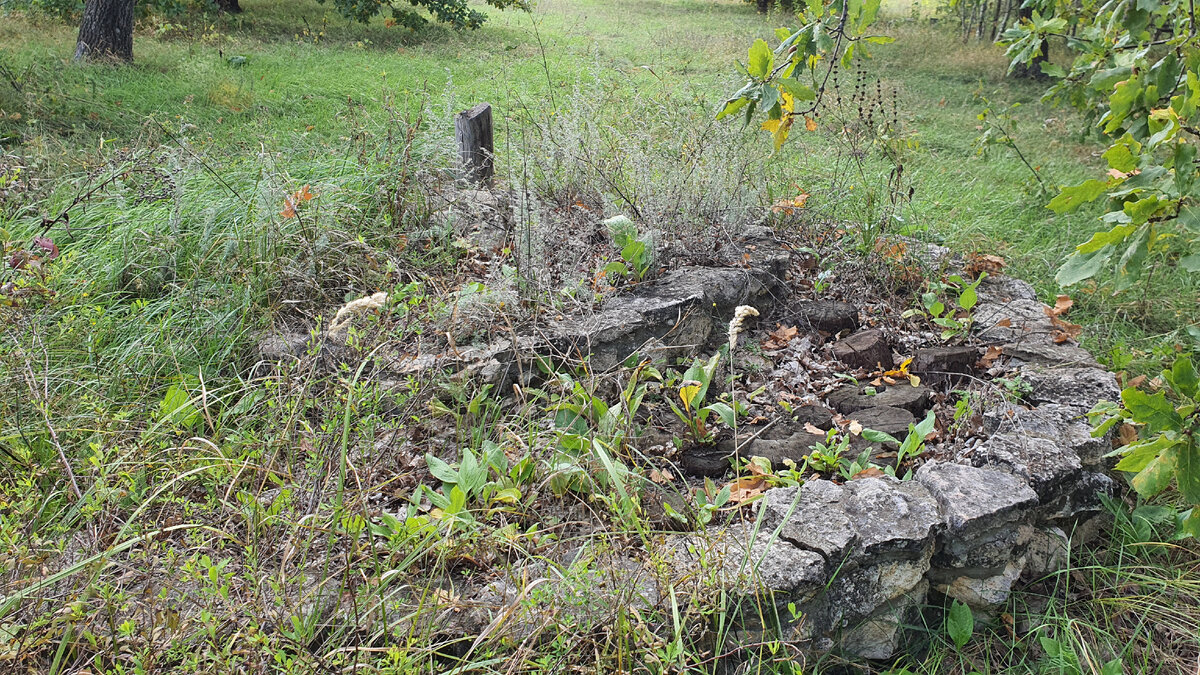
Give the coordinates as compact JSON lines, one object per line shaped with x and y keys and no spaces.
{"x":1105,"y":239}
{"x":732,"y":106}
{"x":960,"y":623}
{"x":761,"y":58}
{"x":879,"y":436}
{"x":1189,"y":523}
{"x":1073,"y":197}
{"x":1191,"y":263}
{"x":1079,"y":267}
{"x":1140,"y":454}
{"x":725,"y":413}
{"x":1187,"y":472}
{"x":1155,"y":411}
{"x":1053,"y":69}
{"x":798,"y":90}
{"x":177,"y":408}
{"x":1122,"y":156}
{"x":1157,"y":475}
{"x":1189,"y":216}
{"x":1142,"y":210}
{"x":1183,"y":377}
{"x":440,"y":469}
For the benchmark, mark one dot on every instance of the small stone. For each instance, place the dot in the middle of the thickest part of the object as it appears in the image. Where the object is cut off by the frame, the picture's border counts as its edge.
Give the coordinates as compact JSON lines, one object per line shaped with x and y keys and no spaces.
{"x":983,"y":593}
{"x":829,"y":316}
{"x":865,"y":349}
{"x":852,"y":398}
{"x":1049,"y":551}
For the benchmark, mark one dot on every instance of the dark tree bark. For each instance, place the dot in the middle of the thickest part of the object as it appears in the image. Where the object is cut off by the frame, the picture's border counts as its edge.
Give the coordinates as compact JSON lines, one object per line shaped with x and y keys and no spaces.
{"x":230,"y":6}
{"x":763,"y":5}
{"x":106,"y":31}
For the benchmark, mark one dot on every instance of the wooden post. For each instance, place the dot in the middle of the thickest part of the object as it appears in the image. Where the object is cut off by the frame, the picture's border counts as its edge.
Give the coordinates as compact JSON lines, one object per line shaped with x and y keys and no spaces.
{"x":473,"y":132}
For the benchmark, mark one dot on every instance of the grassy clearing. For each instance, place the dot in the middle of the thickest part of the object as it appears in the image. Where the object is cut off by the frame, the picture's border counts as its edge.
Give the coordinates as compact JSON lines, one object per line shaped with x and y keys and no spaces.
{"x":229,"y":512}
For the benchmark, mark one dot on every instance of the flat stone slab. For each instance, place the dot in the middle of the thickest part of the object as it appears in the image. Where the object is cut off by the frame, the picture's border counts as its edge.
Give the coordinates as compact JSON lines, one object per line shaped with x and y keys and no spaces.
{"x":972,"y":498}
{"x":1078,"y":388}
{"x":1042,"y":463}
{"x":853,"y":398}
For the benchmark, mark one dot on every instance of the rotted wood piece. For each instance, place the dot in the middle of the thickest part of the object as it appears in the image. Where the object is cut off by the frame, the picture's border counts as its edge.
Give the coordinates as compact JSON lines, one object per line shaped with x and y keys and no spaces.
{"x":473,"y":133}
{"x":865,"y":349}
{"x":855,"y":397}
{"x":944,"y":360}
{"x":830,"y":316}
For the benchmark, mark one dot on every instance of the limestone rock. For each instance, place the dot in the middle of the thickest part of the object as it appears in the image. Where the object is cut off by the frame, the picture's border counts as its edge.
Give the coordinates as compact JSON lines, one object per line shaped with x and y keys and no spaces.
{"x":1042,"y":463}
{"x":1078,"y":388}
{"x":851,"y":398}
{"x":974,"y":499}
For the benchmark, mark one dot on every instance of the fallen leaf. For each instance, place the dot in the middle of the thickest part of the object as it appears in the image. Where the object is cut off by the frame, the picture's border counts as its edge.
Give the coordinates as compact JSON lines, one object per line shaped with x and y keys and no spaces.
{"x":1064,"y":330}
{"x":663,"y":477}
{"x":979,"y":263}
{"x":780,"y":337}
{"x":993,"y":353}
{"x":856,"y":427}
{"x":1004,"y":323}
{"x":746,"y":488}
{"x":1061,"y":305}
{"x":810,"y":124}
{"x":1126,"y":434}
{"x":1137,"y":381}
{"x":869,"y":472}
{"x":808,"y":426}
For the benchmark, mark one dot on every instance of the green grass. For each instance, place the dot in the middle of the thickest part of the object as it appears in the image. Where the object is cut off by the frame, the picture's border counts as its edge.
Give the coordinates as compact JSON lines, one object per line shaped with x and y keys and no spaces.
{"x":180,"y":262}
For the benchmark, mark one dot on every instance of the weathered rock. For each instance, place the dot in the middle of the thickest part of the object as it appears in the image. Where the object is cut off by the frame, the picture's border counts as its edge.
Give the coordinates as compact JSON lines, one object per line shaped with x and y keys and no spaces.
{"x":811,"y":518}
{"x":786,"y":440}
{"x":1064,"y":424}
{"x":887,"y":419}
{"x":1049,"y":551}
{"x":852,"y":398}
{"x":679,"y":313}
{"x":711,"y":461}
{"x":974,"y":499}
{"x":982,"y":593}
{"x":1000,"y":288}
{"x":892,"y":517}
{"x":1011,"y":321}
{"x":829,"y":316}
{"x":883,"y":634}
{"x":1042,"y":463}
{"x":1078,"y":388}
{"x":942,"y":360}
{"x":865,"y":349}
{"x":1046,"y":352}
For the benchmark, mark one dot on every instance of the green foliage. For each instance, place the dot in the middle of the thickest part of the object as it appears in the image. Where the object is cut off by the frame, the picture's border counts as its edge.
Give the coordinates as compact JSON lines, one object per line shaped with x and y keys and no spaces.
{"x":456,"y":13}
{"x":960,"y":623}
{"x":1166,"y":448}
{"x":953,"y":317}
{"x":795,"y":71}
{"x":1136,"y":76}
{"x":692,"y":393}
{"x":637,"y":252}
{"x":912,"y":445}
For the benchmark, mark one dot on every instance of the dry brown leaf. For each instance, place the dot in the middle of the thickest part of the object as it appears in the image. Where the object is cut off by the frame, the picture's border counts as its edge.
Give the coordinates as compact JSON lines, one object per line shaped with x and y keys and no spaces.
{"x":869,"y":472}
{"x":663,"y":477}
{"x":993,"y":353}
{"x":780,"y":337}
{"x":979,"y":263}
{"x":856,"y":427}
{"x":1126,"y":434}
{"x":1061,"y":306}
{"x":746,"y":488}
{"x":1064,"y":330}
{"x":1137,"y":381}
{"x":808,"y":426}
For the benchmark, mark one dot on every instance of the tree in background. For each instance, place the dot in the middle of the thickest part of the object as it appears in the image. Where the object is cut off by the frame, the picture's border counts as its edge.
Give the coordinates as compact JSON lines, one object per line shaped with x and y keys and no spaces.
{"x":106,"y":31}
{"x":453,"y":12}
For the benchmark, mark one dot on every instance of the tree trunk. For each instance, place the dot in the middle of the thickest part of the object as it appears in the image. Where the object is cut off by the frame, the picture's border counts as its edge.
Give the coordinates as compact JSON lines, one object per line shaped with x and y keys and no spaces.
{"x":106,"y":31}
{"x":230,"y":6}
{"x":763,"y":5}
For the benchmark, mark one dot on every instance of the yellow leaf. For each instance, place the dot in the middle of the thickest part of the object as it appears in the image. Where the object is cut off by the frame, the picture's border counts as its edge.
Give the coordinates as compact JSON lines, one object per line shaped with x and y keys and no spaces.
{"x":916,"y":381}
{"x":686,"y":394}
{"x":810,"y":124}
